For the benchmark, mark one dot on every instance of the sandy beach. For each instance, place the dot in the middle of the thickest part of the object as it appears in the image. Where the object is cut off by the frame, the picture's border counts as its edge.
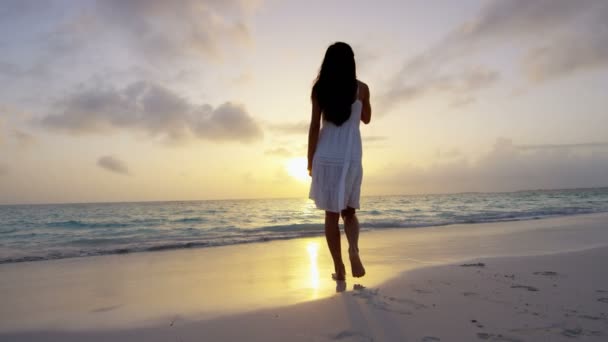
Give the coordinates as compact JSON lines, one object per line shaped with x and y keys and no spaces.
{"x":538,"y":280}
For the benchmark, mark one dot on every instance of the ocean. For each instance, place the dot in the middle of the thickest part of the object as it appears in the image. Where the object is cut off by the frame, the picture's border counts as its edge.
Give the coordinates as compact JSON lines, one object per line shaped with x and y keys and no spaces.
{"x":56,"y":231}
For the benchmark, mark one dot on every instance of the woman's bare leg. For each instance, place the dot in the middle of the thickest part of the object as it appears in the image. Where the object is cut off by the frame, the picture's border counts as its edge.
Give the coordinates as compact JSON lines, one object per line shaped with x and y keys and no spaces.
{"x":332,"y":235}
{"x":351,"y":227}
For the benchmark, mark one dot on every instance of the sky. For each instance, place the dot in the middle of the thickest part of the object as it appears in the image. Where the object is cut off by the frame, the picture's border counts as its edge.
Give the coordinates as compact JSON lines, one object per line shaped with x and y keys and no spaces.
{"x":148,"y":100}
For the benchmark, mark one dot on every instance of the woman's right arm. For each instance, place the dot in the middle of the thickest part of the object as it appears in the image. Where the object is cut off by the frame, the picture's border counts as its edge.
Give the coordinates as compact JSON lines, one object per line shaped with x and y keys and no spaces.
{"x":313,"y":132}
{"x":366,"y":111}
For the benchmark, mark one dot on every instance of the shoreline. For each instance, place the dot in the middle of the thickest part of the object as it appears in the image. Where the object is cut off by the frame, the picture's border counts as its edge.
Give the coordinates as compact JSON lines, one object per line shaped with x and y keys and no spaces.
{"x":125,"y":297}
{"x":193,"y":245}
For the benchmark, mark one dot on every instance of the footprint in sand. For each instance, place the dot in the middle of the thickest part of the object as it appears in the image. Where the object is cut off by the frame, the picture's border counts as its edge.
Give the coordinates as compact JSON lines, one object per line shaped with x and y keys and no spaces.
{"x":477,"y":324}
{"x":576,"y":332}
{"x":430,"y":339}
{"x":479,"y":264}
{"x":421,"y":291}
{"x":105,"y":308}
{"x":529,"y":288}
{"x":409,"y":302}
{"x":351,"y":336}
{"x":375,"y":300}
{"x":546,"y":273}
{"x":497,"y":337}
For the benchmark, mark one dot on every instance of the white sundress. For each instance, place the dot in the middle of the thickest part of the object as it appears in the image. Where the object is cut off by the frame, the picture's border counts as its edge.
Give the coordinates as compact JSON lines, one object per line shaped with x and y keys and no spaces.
{"x":336,"y":166}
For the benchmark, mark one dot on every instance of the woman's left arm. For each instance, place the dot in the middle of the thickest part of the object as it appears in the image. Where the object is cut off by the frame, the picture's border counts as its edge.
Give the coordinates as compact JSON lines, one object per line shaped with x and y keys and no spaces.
{"x":366,"y":112}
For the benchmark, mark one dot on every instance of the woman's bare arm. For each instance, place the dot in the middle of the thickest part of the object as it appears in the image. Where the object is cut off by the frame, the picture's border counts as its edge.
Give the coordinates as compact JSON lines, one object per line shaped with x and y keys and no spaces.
{"x":366,"y":111}
{"x":313,"y":132}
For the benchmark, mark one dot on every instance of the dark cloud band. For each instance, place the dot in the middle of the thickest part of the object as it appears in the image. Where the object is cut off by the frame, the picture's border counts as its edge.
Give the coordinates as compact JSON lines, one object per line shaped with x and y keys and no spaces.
{"x":154,"y":110}
{"x":553,"y":38}
{"x":506,"y":167}
{"x":113,"y":164}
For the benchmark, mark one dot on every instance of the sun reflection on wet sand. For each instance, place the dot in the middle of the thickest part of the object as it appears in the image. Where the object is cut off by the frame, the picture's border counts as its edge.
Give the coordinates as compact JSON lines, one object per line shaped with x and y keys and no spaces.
{"x":313,"y":249}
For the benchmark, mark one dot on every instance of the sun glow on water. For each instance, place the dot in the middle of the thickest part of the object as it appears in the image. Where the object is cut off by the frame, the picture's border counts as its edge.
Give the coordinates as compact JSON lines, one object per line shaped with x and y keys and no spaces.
{"x":297,"y":168}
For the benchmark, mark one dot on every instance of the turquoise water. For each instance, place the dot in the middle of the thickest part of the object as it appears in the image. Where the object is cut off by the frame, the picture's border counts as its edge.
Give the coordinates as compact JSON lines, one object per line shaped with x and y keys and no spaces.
{"x":41,"y":232}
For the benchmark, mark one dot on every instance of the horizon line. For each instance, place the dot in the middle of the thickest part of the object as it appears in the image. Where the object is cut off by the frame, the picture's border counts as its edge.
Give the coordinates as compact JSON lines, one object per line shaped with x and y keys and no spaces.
{"x":291,"y":198}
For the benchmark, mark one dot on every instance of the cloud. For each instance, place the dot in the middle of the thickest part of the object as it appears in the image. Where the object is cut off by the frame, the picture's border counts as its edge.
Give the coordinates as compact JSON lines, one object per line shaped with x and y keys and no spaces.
{"x":300,"y":127}
{"x":463,"y":101}
{"x":513,"y":21}
{"x":245,"y":77}
{"x":113,"y":164}
{"x":10,"y":69}
{"x":374,"y":138}
{"x":24,"y":139}
{"x":555,"y":38}
{"x":365,"y":56}
{"x":10,"y":9}
{"x":506,"y":167}
{"x":58,"y":41}
{"x":151,"y":109}
{"x":462,"y":84}
{"x":448,"y":154}
{"x":589,"y":145}
{"x":164,"y":30}
{"x":20,"y":138}
{"x":504,"y":19}
{"x":14,"y":71}
{"x":279,"y":151}
{"x":574,"y":33}
{"x":568,"y":54}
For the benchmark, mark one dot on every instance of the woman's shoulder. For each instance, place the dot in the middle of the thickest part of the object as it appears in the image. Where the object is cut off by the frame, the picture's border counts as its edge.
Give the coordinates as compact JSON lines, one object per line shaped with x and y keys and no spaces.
{"x":363,"y":87}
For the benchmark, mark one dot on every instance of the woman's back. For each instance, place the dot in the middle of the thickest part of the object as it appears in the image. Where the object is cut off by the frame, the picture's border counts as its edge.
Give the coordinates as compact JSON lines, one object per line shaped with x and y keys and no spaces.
{"x":337,"y":143}
{"x":336,"y":168}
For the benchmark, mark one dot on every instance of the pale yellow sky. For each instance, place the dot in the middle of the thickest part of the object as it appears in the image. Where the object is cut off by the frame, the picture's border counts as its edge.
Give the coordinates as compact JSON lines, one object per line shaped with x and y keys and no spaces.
{"x":138,"y":101}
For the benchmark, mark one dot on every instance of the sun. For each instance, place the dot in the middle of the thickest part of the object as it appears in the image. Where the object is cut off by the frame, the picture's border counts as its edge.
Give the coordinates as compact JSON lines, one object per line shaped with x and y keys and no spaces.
{"x":297,"y":168}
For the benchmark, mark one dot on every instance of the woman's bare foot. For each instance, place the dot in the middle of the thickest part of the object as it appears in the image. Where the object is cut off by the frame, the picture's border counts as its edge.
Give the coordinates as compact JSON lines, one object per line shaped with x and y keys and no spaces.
{"x":340,"y":274}
{"x":356,"y":266}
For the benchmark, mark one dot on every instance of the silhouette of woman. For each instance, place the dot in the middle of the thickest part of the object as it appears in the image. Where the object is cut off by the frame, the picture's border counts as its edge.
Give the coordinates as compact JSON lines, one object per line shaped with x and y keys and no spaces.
{"x":341,"y":102}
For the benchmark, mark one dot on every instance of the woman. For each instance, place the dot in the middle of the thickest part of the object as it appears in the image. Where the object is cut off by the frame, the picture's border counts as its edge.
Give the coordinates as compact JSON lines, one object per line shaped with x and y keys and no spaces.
{"x":334,"y":151}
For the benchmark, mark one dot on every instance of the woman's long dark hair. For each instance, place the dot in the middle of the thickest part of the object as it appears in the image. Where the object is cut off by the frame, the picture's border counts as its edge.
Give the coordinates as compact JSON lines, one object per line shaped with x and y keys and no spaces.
{"x":336,"y":85}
